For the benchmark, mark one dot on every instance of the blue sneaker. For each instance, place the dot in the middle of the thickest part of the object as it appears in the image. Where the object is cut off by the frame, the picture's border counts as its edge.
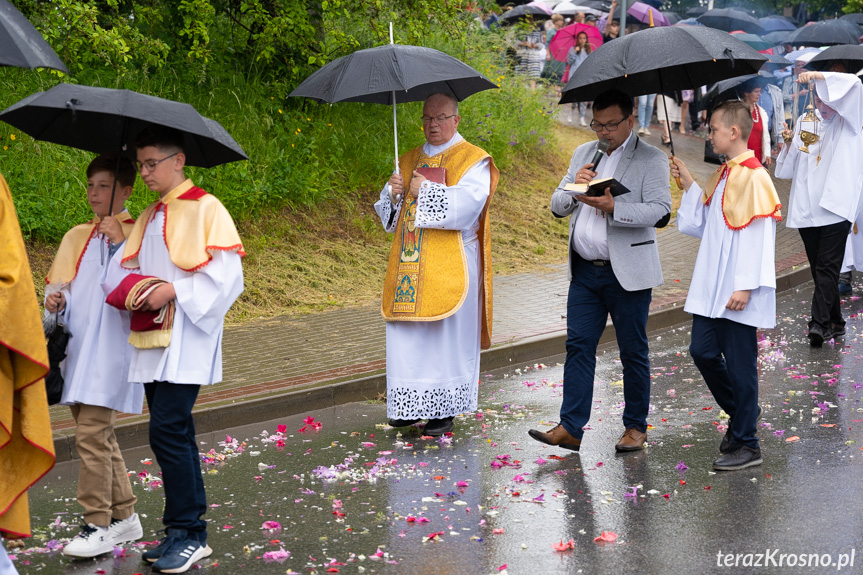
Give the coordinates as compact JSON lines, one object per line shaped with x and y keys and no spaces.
{"x":844,"y":288}
{"x":171,"y":534}
{"x":181,"y":555}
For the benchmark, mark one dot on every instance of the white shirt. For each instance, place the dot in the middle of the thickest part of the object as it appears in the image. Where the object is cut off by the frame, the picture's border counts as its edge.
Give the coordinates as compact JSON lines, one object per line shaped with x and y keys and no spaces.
{"x":590,"y":236}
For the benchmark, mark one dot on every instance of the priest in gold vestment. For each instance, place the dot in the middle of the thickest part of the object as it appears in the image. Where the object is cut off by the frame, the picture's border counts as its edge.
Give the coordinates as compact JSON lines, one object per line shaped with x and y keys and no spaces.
{"x":437,"y":296}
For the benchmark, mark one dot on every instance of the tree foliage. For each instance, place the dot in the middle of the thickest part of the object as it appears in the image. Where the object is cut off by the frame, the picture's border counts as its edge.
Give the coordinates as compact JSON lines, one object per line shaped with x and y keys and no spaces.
{"x":278,"y":41}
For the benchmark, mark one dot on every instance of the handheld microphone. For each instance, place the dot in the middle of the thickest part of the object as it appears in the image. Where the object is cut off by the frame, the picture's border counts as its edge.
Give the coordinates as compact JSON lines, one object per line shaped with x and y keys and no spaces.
{"x":601,"y":149}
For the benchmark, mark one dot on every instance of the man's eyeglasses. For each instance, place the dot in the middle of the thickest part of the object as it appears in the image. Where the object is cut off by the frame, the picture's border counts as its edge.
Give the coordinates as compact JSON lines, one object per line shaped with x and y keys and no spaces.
{"x":611,"y":126}
{"x":151,"y":164}
{"x":438,"y":120}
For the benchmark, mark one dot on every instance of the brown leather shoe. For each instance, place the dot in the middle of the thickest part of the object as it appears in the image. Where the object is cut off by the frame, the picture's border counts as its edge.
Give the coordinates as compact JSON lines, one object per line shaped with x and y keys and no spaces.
{"x":631,"y":440}
{"x":557,"y":436}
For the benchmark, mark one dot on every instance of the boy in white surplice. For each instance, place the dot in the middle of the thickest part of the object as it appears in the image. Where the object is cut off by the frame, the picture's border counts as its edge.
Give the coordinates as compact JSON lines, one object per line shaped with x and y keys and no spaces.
{"x":733,"y":289}
{"x":97,"y":362}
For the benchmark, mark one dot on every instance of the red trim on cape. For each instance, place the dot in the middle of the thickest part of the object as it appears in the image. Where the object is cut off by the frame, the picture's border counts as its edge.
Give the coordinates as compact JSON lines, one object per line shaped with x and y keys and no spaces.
{"x":751,"y":163}
{"x":193,"y":193}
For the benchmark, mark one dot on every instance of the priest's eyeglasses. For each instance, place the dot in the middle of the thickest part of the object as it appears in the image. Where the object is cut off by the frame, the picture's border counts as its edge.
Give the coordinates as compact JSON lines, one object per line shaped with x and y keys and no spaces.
{"x":151,"y":164}
{"x":611,"y":126}
{"x":437,"y":120}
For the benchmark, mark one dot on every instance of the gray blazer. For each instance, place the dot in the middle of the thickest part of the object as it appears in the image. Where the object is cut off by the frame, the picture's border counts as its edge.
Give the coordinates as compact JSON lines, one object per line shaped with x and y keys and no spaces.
{"x":632,"y":245}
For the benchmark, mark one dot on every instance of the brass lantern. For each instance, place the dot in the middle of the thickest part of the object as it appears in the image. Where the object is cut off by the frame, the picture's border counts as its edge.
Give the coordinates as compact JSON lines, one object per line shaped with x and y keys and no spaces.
{"x":809,"y":124}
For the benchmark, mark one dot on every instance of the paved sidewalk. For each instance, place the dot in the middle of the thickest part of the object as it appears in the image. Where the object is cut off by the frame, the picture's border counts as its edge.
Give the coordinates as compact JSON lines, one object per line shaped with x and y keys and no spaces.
{"x":268,"y":358}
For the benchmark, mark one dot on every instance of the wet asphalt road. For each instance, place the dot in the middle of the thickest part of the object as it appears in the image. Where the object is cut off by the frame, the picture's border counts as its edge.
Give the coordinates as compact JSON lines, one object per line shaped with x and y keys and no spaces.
{"x":358,"y":497}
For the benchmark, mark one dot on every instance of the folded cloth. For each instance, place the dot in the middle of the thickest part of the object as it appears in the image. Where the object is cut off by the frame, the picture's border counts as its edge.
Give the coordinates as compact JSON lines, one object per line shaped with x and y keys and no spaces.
{"x":150,"y":329}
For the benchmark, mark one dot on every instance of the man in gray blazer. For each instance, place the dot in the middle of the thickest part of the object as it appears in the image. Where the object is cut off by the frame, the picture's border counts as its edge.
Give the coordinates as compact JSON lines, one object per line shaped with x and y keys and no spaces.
{"x":613,"y":264}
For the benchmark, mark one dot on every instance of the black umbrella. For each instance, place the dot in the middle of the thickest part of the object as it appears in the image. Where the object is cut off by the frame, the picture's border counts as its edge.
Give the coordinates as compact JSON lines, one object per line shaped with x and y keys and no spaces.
{"x":776,"y":62}
{"x":21,"y":45}
{"x":857,"y":18}
{"x":523,"y":12}
{"x":103,"y":119}
{"x":696,"y":11}
{"x":779,"y":36}
{"x":57,"y":338}
{"x":753,"y":40}
{"x":850,"y":56}
{"x":776,"y":24}
{"x":658,"y":60}
{"x":729,"y":19}
{"x":390,"y":74}
{"x":825,"y":33}
{"x":730,"y":89}
{"x":673,"y":17}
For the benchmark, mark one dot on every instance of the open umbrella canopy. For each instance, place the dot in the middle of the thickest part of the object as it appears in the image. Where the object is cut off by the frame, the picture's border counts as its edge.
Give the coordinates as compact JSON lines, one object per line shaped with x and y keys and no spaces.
{"x":658,"y":60}
{"x":824,"y":33}
{"x":857,"y":18}
{"x":849,"y":56}
{"x":730,"y":89}
{"x":688,"y":22}
{"x":696,"y":11}
{"x":778,"y":37}
{"x":729,"y":19}
{"x":566,"y":36}
{"x":672,"y":17}
{"x":412,"y":72}
{"x":571,"y":9}
{"x":752,"y":40}
{"x":542,"y":6}
{"x":776,"y":62}
{"x":776,"y":23}
{"x":21,"y":45}
{"x":524,"y":12}
{"x":103,"y":120}
{"x":639,"y":12}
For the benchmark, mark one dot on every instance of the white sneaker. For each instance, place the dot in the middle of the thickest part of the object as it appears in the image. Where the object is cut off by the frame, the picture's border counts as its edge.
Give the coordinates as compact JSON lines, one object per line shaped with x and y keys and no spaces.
{"x":640,"y":131}
{"x":646,"y":132}
{"x":582,"y":121}
{"x":125,"y":530}
{"x":92,"y":541}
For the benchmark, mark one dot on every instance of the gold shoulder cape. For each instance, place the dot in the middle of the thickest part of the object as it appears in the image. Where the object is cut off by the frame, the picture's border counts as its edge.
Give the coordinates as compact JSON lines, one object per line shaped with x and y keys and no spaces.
{"x":426,"y":277}
{"x":749,"y":192}
{"x":196,"y":225}
{"x":26,"y":444}
{"x":74,"y":245}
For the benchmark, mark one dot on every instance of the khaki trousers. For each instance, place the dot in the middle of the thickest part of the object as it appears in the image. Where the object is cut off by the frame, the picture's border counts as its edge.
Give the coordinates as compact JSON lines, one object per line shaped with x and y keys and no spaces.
{"x":104,"y":490}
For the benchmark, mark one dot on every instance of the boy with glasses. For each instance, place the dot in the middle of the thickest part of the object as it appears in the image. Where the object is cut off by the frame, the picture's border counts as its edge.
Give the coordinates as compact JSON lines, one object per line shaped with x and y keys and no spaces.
{"x":188,"y":240}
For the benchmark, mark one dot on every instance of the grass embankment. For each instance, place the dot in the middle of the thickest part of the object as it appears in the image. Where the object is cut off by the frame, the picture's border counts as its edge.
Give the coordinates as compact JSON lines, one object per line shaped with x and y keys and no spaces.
{"x":334,"y":253}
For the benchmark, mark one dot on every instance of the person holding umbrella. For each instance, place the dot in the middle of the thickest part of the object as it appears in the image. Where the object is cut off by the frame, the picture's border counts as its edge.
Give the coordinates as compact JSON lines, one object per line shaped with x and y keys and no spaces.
{"x":437,"y":295}
{"x":96,"y":369}
{"x":826,"y":184}
{"x":613,"y":265}
{"x":759,"y":136}
{"x":188,"y":241}
{"x":733,"y":289}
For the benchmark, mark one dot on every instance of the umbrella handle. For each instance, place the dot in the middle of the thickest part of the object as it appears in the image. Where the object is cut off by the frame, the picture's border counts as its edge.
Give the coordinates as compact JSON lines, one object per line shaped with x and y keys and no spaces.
{"x":677,"y":178}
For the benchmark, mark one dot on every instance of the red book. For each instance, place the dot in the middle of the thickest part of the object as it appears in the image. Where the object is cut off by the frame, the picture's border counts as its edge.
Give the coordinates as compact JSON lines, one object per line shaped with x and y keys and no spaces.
{"x":437,"y":175}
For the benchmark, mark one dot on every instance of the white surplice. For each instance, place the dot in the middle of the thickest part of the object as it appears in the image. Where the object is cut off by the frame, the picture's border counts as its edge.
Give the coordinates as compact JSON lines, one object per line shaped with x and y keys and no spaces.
{"x":827,"y":191}
{"x":98,"y":353}
{"x":433,"y":367}
{"x":203,"y":298}
{"x":728,"y":261}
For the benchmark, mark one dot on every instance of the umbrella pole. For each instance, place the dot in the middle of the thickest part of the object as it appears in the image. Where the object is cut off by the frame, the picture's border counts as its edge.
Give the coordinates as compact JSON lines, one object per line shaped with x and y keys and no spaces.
{"x":668,"y":127}
{"x":116,"y":171}
{"x":393,"y":199}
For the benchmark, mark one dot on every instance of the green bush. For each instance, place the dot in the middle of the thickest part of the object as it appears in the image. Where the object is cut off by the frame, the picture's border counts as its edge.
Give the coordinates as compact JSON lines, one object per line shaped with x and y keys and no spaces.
{"x":301,"y":153}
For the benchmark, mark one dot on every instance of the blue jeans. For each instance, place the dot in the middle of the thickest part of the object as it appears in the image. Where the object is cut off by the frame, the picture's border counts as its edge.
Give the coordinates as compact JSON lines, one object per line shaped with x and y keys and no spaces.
{"x":726,"y":354}
{"x":645,"y":110}
{"x":594,"y":293}
{"x":172,"y":439}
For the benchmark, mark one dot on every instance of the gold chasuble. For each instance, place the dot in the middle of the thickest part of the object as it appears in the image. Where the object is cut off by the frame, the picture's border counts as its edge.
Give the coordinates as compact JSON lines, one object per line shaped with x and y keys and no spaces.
{"x":749,"y":192}
{"x":26,"y":443}
{"x":427,"y":277}
{"x":196,"y":224}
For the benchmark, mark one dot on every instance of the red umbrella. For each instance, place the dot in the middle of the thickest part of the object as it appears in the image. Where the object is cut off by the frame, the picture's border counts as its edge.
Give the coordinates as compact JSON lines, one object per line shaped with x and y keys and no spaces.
{"x":565,"y":39}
